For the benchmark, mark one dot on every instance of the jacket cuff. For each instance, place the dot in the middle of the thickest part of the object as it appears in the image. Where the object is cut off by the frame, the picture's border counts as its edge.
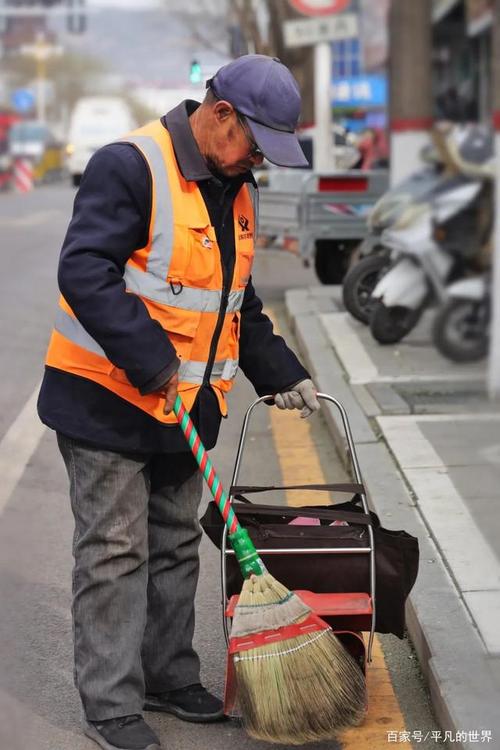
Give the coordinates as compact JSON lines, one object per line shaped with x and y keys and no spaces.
{"x":161,"y":378}
{"x":292,"y":386}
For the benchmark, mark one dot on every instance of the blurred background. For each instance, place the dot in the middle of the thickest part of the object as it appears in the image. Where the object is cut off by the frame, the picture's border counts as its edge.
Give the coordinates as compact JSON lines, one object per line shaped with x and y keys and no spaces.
{"x":379,"y":263}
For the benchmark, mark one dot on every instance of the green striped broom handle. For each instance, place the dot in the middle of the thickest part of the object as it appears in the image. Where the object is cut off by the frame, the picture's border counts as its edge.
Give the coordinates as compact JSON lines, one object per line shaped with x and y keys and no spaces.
{"x":244,"y":549}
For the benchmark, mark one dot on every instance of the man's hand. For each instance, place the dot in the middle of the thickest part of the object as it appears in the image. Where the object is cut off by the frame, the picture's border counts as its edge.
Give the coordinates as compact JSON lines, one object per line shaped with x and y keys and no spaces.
{"x":169,"y":392}
{"x":301,"y":396}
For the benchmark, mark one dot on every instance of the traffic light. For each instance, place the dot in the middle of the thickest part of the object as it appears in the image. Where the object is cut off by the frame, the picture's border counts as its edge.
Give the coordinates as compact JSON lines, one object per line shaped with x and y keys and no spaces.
{"x":195,"y":72}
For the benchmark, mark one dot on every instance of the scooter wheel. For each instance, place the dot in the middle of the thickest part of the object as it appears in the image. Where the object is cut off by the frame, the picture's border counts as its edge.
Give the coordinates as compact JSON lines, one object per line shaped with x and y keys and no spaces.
{"x":331,"y":259}
{"x":389,"y":325}
{"x":460,"y":330}
{"x":359,"y":283}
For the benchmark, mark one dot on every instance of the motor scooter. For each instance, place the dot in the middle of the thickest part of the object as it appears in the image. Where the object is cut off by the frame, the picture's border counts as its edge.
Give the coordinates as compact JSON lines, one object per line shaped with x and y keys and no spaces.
{"x":443,"y":244}
{"x":399,"y":208}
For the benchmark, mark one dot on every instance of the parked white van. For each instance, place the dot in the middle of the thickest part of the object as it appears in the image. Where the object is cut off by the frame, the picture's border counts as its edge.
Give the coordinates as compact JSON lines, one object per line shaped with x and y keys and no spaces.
{"x":95,"y":121}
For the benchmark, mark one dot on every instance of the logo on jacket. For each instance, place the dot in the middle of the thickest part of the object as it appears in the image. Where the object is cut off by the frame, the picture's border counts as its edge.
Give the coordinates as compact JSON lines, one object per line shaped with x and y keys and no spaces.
{"x":246,"y":234}
{"x":206,"y":242}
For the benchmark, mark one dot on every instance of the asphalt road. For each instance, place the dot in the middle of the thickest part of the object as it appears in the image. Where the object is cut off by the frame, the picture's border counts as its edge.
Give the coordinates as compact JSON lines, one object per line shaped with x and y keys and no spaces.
{"x":39,"y":708}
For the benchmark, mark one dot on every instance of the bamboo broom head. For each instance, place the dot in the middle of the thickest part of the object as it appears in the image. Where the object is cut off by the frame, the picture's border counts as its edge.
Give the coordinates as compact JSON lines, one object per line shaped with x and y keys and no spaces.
{"x":298,"y":690}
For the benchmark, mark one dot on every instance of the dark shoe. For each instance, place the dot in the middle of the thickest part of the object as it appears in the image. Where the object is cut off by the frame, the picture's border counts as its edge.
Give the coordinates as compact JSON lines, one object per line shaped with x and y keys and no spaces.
{"x":124,"y":733}
{"x":192,"y":703}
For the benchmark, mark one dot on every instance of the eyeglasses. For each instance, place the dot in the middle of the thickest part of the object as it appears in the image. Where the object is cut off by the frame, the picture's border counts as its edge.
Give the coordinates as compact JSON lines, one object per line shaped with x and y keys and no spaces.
{"x":254,"y":151}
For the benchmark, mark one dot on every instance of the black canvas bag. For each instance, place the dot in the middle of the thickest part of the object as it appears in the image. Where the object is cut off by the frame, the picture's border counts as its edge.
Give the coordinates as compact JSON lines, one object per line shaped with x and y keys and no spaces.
{"x":396,"y":552}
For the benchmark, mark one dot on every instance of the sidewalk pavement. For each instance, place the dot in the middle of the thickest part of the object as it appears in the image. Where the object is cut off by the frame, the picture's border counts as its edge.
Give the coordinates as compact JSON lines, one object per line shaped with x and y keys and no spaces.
{"x":428,"y":442}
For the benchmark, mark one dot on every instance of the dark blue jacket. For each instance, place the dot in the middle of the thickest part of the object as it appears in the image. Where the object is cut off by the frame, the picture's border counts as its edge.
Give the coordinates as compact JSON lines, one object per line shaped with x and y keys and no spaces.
{"x":110,"y":220}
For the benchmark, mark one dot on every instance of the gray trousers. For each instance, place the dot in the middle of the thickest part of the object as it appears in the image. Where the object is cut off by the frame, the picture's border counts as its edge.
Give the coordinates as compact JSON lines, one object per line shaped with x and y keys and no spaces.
{"x":136,"y":569}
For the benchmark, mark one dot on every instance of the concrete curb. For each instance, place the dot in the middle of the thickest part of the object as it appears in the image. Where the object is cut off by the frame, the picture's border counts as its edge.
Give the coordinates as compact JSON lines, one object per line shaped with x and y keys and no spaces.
{"x":464,"y":691}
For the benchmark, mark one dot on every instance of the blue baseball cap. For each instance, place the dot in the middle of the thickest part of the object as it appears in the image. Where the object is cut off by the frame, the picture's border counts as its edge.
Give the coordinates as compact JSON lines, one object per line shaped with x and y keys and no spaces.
{"x":263,"y":90}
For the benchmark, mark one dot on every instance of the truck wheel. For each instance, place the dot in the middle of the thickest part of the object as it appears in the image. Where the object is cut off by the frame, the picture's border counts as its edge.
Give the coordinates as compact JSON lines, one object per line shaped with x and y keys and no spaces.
{"x":359,"y":283}
{"x":460,"y":330}
{"x":331,"y":259}
{"x":389,"y":325}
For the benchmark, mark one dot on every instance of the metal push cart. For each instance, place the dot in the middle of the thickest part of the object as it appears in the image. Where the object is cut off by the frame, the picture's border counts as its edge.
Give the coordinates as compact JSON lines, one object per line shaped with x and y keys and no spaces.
{"x":329,"y":606}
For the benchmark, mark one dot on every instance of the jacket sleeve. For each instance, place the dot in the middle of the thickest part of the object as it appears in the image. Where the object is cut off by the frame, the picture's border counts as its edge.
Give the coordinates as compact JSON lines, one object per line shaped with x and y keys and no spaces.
{"x":266,"y":360}
{"x":111,"y":220}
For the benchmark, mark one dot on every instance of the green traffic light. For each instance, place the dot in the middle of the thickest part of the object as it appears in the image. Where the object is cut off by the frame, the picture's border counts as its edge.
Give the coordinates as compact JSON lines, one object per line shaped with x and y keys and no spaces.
{"x":195,"y":72}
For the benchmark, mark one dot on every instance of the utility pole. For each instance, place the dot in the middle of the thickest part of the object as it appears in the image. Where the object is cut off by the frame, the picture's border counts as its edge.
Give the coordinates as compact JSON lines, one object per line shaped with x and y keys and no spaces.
{"x":494,"y":360}
{"x":410,"y":50}
{"x":324,"y":154}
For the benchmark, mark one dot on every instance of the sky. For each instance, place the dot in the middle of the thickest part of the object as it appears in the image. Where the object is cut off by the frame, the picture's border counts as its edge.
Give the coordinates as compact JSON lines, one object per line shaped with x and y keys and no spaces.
{"x":152,"y":47}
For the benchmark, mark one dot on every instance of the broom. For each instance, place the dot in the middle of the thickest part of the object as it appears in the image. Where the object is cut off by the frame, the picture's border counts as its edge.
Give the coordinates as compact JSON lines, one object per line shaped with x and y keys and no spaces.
{"x":296,"y":683}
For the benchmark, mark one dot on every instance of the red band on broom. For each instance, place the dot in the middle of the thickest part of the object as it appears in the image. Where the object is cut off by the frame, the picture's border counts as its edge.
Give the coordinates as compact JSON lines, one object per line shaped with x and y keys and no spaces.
{"x":296,"y":683}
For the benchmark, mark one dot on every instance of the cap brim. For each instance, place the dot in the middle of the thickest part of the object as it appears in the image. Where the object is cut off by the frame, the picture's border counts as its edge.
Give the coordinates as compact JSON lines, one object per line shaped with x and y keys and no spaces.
{"x":279,"y":147}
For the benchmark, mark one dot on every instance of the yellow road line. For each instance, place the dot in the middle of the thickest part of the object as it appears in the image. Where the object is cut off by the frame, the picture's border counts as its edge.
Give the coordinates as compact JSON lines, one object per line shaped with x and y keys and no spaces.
{"x":297,"y":453}
{"x":299,"y":462}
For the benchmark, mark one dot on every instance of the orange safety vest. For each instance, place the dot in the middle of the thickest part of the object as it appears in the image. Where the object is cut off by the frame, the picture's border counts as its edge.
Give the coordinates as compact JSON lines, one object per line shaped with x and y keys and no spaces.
{"x":178,"y":276}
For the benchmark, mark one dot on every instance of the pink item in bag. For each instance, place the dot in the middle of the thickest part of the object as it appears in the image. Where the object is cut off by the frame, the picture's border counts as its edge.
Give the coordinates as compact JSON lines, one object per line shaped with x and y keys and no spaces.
{"x":305,"y":521}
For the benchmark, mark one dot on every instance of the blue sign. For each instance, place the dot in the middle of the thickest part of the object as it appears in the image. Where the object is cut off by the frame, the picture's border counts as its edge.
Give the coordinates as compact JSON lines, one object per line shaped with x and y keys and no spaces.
{"x":360,"y":91}
{"x":23,"y":100}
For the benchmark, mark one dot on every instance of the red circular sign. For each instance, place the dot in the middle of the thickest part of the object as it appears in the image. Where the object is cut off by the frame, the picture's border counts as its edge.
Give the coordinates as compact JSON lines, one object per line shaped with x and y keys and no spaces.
{"x":319,"y":7}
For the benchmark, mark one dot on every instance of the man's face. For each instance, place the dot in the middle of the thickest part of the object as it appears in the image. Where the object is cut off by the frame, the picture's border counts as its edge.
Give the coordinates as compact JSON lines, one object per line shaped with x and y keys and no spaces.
{"x":229,"y":146}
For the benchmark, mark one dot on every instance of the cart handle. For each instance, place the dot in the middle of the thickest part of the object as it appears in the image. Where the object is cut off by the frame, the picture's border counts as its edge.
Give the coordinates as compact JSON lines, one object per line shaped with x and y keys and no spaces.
{"x":347,"y":431}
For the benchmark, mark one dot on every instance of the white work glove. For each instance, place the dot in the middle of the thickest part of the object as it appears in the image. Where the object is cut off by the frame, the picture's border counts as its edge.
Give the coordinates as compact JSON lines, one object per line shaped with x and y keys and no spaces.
{"x":301,"y":396}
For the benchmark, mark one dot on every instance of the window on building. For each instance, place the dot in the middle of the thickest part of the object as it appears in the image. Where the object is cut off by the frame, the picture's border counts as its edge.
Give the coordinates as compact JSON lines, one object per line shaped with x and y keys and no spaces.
{"x":346,"y":55}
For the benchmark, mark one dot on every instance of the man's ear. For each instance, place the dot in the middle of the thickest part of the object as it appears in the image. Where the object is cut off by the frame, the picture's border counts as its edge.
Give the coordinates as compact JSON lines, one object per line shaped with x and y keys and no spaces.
{"x":223,"y":110}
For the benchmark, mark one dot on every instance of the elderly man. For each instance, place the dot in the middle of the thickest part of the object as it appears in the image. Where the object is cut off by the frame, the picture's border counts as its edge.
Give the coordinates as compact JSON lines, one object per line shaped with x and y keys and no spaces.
{"x":157,"y":299}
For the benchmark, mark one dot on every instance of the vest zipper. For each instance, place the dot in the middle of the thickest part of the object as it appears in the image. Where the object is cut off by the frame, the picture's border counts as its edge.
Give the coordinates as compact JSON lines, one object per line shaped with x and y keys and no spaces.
{"x":227,"y":275}
{"x":215,"y":338}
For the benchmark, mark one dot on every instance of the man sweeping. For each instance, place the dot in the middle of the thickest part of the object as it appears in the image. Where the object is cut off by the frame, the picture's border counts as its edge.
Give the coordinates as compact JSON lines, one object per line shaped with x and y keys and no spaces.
{"x":157,"y":299}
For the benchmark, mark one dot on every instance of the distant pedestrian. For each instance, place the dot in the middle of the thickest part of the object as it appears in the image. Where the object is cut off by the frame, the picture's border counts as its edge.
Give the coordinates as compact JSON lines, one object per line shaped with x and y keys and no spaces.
{"x":157,"y":299}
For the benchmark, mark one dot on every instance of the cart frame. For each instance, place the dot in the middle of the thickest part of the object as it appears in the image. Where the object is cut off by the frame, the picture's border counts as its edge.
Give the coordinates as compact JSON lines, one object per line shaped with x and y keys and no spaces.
{"x":225,"y":550}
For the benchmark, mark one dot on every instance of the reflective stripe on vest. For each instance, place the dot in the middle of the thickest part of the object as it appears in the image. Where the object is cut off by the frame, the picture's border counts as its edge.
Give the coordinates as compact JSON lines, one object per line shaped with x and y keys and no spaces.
{"x":75,"y":332}
{"x":158,"y":290}
{"x":193,"y":372}
{"x":162,"y":232}
{"x":189,"y":371}
{"x":254,"y":197}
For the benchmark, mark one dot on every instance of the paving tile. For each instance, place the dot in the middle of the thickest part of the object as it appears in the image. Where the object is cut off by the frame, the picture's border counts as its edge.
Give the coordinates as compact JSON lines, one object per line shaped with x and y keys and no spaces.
{"x":483,"y":482}
{"x":485,"y":609}
{"x":388,"y":399}
{"x":463,"y":443}
{"x":473,"y":563}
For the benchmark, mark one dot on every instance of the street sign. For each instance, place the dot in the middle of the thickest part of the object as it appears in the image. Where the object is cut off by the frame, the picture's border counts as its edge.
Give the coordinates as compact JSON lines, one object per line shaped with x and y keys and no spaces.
{"x":23,"y":100}
{"x":319,"y":7}
{"x":360,"y":91}
{"x":298,"y":33}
